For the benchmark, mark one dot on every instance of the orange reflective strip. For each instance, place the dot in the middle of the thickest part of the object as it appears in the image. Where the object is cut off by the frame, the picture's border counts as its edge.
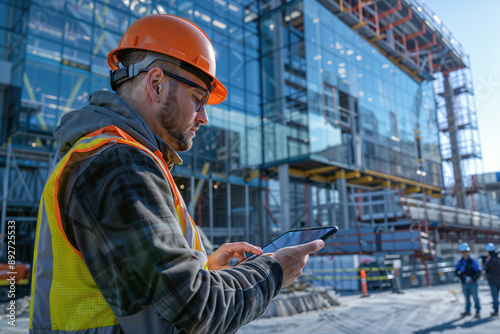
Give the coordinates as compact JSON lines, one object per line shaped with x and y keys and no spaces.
{"x":111,"y":129}
{"x":56,"y":192}
{"x":196,"y":236}
{"x":100,"y":143}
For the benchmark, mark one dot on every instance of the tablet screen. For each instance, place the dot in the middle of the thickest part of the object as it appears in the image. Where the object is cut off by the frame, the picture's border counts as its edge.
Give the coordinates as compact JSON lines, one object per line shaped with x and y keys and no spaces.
{"x":298,"y":237}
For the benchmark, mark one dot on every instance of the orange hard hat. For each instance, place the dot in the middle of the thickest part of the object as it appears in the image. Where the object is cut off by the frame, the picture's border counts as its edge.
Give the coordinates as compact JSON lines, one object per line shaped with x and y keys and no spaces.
{"x":177,"y":38}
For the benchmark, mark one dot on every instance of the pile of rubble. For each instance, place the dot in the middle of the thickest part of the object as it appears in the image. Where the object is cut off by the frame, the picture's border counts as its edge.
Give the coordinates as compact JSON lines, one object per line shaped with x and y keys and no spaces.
{"x":300,"y":299}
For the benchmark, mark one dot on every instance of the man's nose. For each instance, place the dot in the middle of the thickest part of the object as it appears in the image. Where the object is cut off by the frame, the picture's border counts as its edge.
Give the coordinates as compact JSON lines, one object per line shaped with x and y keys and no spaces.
{"x":201,"y":116}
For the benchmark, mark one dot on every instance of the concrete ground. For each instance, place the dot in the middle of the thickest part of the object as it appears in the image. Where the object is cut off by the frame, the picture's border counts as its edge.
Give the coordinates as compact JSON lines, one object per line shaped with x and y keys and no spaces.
{"x":419,"y":310}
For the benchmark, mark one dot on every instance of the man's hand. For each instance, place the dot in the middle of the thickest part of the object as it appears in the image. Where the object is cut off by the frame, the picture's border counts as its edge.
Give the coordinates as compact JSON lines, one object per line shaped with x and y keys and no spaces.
{"x":221,"y":257}
{"x":293,"y":259}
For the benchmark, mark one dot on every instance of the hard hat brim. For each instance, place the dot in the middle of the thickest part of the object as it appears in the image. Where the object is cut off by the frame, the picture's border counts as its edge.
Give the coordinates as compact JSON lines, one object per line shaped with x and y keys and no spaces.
{"x":218,"y":95}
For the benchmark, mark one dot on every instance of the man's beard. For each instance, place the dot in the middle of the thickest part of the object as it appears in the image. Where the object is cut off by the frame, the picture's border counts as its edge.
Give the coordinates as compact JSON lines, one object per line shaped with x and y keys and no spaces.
{"x":169,"y":119}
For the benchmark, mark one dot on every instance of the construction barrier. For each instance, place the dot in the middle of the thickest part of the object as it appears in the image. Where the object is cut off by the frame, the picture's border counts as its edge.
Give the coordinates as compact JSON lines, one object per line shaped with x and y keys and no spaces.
{"x":364,"y":287}
{"x":396,"y":285}
{"x":340,"y":276}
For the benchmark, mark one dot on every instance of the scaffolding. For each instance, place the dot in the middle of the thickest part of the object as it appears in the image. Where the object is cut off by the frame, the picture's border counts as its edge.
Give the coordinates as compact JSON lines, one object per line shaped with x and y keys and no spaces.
{"x":406,"y":32}
{"x":23,"y":174}
{"x":459,"y":134}
{"x":410,"y":35}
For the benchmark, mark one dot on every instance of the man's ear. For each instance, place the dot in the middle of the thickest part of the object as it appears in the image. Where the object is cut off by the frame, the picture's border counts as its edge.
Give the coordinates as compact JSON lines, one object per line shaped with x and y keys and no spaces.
{"x":154,"y":80}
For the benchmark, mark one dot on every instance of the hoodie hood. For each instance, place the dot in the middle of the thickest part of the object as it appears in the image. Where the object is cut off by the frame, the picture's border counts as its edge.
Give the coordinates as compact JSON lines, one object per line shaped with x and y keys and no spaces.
{"x":105,"y":109}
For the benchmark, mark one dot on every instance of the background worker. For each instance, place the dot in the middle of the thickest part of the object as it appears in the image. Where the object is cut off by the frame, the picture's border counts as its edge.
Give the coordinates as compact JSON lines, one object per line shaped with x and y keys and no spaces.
{"x":492,"y":269}
{"x":116,"y":249}
{"x":468,"y":270}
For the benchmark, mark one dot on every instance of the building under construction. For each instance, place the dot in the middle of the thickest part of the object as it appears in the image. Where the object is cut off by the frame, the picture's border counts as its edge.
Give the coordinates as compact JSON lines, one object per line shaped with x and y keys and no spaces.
{"x":355,"y":113}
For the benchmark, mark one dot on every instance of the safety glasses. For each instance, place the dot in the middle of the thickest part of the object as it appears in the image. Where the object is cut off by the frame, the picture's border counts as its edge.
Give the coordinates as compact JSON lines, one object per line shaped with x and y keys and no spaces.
{"x":201,"y":102}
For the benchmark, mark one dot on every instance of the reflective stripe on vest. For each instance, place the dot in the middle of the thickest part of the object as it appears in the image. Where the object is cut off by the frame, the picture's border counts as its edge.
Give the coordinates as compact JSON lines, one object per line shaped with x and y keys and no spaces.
{"x":64,"y":296}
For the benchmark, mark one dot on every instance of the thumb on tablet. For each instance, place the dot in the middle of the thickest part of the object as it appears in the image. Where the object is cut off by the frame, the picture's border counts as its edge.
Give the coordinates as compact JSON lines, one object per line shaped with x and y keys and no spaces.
{"x":293,"y":259}
{"x":311,"y":247}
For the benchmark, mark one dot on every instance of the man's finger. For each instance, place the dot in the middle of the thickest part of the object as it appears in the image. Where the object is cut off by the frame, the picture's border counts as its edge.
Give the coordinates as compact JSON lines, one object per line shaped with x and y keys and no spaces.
{"x":239,"y":247}
{"x":311,"y":247}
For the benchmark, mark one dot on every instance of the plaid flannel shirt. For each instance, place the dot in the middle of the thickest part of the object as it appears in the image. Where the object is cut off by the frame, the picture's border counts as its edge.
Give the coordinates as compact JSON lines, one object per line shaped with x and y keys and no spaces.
{"x":117,"y":210}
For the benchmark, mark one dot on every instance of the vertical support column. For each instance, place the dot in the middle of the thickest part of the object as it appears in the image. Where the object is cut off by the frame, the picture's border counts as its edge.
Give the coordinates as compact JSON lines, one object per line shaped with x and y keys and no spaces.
{"x":455,"y":149}
{"x":211,"y":209}
{"x":331,"y":205}
{"x":388,"y":205}
{"x":247,"y":213}
{"x":5,"y":195}
{"x":229,"y":213}
{"x":263,"y":217}
{"x":3,"y":104}
{"x":284,"y":178}
{"x":427,"y":276}
{"x":309,"y":203}
{"x":192,"y":204}
{"x":355,"y":135}
{"x":343,"y":199}
{"x":319,"y":207}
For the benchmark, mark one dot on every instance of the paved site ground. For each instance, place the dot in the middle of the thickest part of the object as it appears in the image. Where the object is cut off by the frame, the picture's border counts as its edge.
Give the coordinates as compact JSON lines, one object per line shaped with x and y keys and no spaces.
{"x":419,"y":311}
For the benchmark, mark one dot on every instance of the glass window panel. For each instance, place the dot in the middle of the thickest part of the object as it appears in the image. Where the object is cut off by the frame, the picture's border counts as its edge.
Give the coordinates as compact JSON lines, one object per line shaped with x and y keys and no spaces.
{"x":40,"y":96}
{"x":77,"y":57}
{"x":100,"y":65}
{"x":203,"y":6}
{"x":236,"y":66}
{"x":78,"y":34}
{"x":220,"y":205}
{"x":252,"y":40}
{"x":104,"y":41}
{"x":201,"y":206}
{"x":220,"y":9}
{"x":252,"y":76}
{"x":184,"y":186}
{"x":109,"y":18}
{"x":255,"y":236}
{"x":80,"y":9}
{"x":252,"y":148}
{"x":237,"y":34}
{"x":140,"y":8}
{"x":74,"y":90}
{"x":237,"y":98}
{"x":187,"y":161}
{"x":222,"y":59}
{"x":236,"y":13}
{"x":99,"y":82}
{"x":44,"y":48}
{"x":252,"y":104}
{"x":185,"y":9}
{"x":238,"y":213}
{"x":46,"y":24}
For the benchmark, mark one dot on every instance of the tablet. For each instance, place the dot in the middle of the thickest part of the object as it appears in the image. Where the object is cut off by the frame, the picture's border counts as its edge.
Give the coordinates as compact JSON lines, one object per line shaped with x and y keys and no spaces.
{"x":297,"y":237}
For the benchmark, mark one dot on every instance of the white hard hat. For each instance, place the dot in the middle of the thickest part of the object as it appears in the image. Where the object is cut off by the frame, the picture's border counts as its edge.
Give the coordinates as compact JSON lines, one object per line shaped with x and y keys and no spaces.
{"x":464,"y":247}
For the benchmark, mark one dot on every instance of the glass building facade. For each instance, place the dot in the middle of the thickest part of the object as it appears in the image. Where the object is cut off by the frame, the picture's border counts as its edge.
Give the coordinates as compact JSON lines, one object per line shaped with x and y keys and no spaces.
{"x":330,"y":93}
{"x":302,"y":86}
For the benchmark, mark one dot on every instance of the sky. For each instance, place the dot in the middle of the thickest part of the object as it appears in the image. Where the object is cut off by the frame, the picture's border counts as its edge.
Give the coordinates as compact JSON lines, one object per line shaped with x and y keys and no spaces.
{"x":476,"y":25}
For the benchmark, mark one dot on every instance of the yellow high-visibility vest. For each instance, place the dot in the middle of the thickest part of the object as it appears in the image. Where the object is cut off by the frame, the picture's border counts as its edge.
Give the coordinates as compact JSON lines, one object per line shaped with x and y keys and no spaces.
{"x":64,"y":296}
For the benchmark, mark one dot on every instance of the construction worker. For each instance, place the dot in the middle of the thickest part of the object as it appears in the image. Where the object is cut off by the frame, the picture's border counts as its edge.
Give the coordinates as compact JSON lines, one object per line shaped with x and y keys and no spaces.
{"x":468,"y":270}
{"x":492,"y":269}
{"x":116,"y":249}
